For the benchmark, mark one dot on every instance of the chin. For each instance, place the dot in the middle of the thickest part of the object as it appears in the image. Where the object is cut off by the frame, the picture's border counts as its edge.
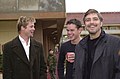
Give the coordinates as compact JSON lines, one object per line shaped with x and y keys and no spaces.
{"x":92,"y":32}
{"x":31,"y":36}
{"x":71,"y":39}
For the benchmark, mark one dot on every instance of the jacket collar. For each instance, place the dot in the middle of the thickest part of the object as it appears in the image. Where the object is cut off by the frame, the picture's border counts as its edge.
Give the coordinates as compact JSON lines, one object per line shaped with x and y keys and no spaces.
{"x":100,"y":45}
{"x":19,"y":50}
{"x":83,"y":42}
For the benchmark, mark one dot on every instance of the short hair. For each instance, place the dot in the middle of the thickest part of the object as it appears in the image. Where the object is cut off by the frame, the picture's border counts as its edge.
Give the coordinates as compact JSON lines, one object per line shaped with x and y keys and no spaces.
{"x":75,"y":22}
{"x":90,"y":11}
{"x":23,"y":21}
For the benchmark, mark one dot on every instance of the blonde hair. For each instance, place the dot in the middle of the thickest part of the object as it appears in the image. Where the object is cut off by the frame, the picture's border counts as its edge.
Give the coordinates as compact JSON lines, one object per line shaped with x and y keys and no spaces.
{"x":23,"y":21}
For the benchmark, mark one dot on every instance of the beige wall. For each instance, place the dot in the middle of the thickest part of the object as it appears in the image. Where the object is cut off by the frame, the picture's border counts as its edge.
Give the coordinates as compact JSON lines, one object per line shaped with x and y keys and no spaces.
{"x":8,"y":31}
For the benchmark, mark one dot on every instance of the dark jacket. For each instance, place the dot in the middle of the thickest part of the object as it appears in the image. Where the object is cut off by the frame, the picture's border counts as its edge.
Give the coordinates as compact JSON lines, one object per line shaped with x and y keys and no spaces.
{"x":17,"y":66}
{"x":106,"y":62}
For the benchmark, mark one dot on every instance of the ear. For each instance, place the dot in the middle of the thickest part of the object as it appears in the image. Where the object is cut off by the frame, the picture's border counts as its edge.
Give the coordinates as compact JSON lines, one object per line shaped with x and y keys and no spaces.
{"x":101,"y":24}
{"x":22,"y":28}
{"x":80,"y":29}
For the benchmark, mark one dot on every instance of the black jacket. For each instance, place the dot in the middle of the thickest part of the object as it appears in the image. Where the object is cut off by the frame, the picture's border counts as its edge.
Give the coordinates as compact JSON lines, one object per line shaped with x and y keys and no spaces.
{"x":16,"y":64}
{"x":106,"y":63}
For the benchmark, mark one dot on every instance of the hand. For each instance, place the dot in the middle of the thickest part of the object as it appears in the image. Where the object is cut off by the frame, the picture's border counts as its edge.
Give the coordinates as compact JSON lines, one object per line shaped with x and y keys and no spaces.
{"x":70,"y":56}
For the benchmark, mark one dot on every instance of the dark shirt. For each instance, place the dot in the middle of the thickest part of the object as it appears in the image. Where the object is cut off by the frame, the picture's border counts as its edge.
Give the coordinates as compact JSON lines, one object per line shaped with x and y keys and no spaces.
{"x":65,"y":47}
{"x":90,"y":56}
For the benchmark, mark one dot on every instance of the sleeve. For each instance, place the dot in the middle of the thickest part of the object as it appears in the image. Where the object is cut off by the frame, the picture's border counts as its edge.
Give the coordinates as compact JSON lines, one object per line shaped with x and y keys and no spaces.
{"x":7,"y":67}
{"x":117,"y":62}
{"x":43,"y":67}
{"x":61,"y":60}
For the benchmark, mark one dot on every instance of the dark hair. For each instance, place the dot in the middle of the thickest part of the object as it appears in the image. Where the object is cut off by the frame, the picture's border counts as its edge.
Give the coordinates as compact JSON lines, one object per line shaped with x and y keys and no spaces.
{"x":74,"y":21}
{"x":90,"y":11}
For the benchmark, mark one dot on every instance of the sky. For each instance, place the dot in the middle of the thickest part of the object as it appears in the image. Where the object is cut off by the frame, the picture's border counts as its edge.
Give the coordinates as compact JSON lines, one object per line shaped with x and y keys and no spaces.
{"x":100,"y":5}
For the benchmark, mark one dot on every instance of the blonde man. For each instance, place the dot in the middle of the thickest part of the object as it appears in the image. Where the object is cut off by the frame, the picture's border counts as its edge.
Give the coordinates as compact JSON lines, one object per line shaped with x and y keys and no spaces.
{"x":23,"y":56}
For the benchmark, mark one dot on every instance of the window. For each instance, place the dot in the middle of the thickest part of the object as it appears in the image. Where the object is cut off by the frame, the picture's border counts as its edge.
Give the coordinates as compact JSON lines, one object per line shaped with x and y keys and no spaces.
{"x":105,"y":28}
{"x":113,"y":28}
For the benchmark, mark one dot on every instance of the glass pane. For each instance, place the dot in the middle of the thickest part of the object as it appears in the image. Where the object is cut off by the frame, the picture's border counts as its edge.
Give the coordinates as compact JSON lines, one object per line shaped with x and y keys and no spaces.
{"x":32,"y":5}
{"x":8,"y":5}
{"x":52,"y":5}
{"x":27,"y":5}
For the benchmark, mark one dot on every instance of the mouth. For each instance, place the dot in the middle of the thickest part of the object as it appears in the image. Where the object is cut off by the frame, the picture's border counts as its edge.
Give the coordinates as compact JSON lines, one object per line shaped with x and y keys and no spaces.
{"x":32,"y":32}
{"x":92,"y":25}
{"x":70,"y":37}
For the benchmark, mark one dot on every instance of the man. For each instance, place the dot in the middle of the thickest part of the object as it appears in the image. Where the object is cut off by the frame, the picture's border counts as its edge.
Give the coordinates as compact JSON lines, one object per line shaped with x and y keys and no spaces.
{"x":98,"y":54}
{"x":67,"y":49}
{"x":23,"y":56}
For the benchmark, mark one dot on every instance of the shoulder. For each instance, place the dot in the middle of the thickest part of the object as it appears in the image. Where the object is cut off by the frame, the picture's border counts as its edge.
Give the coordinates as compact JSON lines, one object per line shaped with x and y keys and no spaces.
{"x":7,"y":45}
{"x":10,"y":43}
{"x":112,"y":41}
{"x":113,"y":38}
{"x":35,"y":42}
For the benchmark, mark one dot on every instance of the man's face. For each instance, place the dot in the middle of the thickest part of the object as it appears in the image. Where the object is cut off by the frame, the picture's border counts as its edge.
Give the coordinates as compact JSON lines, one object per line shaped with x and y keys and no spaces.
{"x":72,"y":32}
{"x":29,"y":29}
{"x":92,"y":23}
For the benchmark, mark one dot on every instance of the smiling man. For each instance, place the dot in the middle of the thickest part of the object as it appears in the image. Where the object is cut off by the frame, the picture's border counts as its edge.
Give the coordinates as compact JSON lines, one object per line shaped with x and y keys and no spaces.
{"x":23,"y":56}
{"x":67,"y":49}
{"x":98,"y":54}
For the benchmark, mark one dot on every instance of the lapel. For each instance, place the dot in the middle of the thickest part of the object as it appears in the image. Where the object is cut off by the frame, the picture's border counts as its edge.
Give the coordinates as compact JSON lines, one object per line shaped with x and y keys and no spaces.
{"x":19,"y":50}
{"x":81,"y":58}
{"x":33,"y":51}
{"x":83,"y":51}
{"x":99,"y":49}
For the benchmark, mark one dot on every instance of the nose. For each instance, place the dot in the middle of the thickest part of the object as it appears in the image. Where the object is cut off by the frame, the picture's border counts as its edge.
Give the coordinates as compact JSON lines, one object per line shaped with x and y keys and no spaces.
{"x":68,"y":32}
{"x":34,"y":28}
{"x":91,"y":21}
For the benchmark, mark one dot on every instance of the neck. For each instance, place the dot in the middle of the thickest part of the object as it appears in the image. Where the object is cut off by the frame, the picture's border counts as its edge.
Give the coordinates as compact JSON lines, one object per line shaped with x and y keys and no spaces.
{"x":76,"y":41}
{"x":25,"y":38}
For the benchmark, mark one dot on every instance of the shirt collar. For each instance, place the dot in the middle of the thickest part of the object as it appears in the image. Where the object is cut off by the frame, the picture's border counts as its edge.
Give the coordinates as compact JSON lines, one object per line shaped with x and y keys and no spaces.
{"x":23,"y":41}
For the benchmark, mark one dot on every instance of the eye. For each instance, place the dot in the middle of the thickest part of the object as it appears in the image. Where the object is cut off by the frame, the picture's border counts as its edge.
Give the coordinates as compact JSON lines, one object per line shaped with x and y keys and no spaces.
{"x":87,"y":20}
{"x":67,"y":30}
{"x":31,"y":26}
{"x":95,"y":19}
{"x":72,"y":30}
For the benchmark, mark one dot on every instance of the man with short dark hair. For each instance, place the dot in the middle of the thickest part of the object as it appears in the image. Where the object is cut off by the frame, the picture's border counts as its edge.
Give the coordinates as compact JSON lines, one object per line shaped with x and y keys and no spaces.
{"x":97,"y":56}
{"x":67,"y":49}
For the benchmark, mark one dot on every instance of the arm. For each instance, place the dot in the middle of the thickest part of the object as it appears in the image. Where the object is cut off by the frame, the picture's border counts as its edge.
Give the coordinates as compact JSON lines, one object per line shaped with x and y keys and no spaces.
{"x":43,"y":67}
{"x":60,"y":66}
{"x":117,"y":62}
{"x":7,"y":68}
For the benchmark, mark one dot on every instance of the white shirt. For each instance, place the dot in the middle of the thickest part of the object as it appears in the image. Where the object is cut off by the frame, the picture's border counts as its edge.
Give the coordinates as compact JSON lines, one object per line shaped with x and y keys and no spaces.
{"x":25,"y":46}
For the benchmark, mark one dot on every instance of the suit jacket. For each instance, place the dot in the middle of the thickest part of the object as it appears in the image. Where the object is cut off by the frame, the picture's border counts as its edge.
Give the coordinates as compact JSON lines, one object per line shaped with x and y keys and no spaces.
{"x":17,"y":66}
{"x":106,"y":63}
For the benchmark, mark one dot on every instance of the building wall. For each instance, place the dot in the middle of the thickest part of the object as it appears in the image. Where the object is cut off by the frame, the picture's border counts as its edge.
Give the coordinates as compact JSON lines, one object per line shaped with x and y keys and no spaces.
{"x":7,"y":31}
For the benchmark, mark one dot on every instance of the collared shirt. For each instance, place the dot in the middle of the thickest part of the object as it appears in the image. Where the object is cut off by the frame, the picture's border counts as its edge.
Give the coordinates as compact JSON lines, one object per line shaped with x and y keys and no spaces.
{"x":25,"y":46}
